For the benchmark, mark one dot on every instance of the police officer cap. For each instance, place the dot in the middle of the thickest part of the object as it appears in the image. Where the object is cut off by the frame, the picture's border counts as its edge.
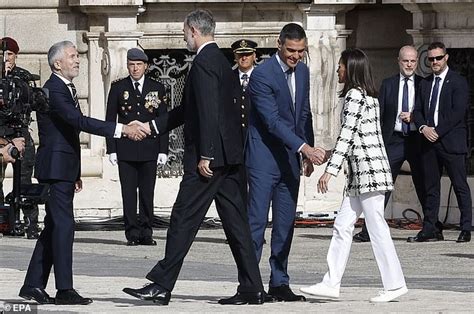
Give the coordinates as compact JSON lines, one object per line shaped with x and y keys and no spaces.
{"x":11,"y":43}
{"x":244,"y":46}
{"x":136,"y":54}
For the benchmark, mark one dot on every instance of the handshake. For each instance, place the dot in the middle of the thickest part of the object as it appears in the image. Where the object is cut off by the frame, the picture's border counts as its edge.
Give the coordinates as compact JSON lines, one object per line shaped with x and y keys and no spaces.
{"x":317,"y":155}
{"x":136,"y":130}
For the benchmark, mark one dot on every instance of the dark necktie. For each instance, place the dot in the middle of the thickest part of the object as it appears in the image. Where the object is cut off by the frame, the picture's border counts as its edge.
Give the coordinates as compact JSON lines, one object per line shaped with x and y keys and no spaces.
{"x":433,"y":101}
{"x":245,"y":81}
{"x":74,"y":94}
{"x":405,"y":125}
{"x":289,"y":73}
{"x":137,"y":90}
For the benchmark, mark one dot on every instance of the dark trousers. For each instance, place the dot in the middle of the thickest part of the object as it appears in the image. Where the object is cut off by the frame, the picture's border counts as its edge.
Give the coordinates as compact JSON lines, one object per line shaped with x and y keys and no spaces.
{"x":194,"y":198}
{"x":434,"y":158}
{"x":402,"y":148}
{"x":282,"y":191}
{"x":141,"y":176}
{"x":54,"y":246}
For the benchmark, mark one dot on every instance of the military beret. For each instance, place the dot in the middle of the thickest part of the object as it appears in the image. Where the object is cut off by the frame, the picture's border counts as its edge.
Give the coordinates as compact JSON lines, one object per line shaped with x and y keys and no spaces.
{"x":136,"y":54}
{"x":11,"y":43}
{"x":244,"y":46}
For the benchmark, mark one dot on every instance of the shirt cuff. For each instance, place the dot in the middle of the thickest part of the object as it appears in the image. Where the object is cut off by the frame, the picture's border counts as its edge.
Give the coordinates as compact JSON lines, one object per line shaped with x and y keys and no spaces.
{"x":118,"y":130}
{"x":420,"y":129}
{"x":301,"y":147}
{"x":207,"y":158}
{"x":154,"y":126}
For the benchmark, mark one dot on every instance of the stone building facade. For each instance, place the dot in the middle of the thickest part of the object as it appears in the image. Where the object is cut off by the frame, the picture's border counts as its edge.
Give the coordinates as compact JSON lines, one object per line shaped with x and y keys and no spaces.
{"x":104,"y":30}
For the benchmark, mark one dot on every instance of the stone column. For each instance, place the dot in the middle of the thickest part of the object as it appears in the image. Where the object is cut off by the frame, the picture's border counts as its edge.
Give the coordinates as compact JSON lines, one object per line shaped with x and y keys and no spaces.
{"x":325,"y":29}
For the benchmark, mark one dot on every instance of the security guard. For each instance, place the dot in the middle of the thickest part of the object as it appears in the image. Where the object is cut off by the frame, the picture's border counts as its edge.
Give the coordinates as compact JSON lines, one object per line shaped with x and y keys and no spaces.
{"x":30,"y":211}
{"x":245,"y":57}
{"x":137,"y":97}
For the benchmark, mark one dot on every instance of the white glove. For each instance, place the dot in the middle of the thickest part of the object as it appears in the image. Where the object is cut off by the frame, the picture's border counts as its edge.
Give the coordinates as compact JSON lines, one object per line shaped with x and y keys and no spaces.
{"x":113,"y":159}
{"x":162,"y":159}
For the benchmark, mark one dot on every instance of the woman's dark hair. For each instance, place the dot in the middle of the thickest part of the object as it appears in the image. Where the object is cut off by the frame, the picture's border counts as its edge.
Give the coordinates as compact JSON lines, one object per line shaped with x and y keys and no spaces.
{"x":358,"y":72}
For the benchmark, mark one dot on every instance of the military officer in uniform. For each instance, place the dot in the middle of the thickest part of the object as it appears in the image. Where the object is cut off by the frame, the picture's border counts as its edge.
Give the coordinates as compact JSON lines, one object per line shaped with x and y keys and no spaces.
{"x":137,"y":97}
{"x":31,"y":211}
{"x":245,"y":57}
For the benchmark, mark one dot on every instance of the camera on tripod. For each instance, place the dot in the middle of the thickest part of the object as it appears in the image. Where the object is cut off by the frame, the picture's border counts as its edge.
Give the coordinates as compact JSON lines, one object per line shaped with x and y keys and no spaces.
{"x":19,"y":96}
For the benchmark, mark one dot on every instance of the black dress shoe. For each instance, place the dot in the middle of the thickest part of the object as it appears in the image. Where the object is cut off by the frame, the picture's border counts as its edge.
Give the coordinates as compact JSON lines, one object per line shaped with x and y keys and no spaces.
{"x":147,"y":241}
{"x":71,"y":297}
{"x":268,"y":298}
{"x":284,"y":293}
{"x":244,"y":298}
{"x":361,"y":237}
{"x":132,"y":243}
{"x":37,"y":294}
{"x":464,"y":236}
{"x":151,"y":292}
{"x":426,"y":237}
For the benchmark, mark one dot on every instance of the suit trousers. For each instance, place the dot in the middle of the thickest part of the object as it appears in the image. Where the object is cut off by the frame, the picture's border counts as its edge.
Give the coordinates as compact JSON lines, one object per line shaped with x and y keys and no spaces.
{"x":400,"y":148}
{"x":139,"y":175}
{"x":282,"y":191}
{"x":54,"y":245}
{"x":195,"y":195}
{"x":435,"y":157}
{"x":372,"y":205}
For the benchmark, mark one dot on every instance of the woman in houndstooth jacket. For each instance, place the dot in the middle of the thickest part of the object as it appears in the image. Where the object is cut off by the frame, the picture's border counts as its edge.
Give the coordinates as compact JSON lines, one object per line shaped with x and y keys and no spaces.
{"x":360,"y":143}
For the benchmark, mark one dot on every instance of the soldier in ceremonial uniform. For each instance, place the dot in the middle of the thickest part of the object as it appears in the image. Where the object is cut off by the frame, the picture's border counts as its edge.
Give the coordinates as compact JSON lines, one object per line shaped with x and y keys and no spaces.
{"x":245,"y":56}
{"x":137,"y":97}
{"x":30,"y":212}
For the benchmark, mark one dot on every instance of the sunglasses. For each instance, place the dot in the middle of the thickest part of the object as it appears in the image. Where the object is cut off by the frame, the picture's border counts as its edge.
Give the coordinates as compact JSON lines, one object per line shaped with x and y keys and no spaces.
{"x":437,"y":58}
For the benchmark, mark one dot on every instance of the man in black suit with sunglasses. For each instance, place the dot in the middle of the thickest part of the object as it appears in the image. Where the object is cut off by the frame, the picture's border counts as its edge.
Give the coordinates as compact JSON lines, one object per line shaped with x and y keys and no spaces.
{"x":440,"y":116}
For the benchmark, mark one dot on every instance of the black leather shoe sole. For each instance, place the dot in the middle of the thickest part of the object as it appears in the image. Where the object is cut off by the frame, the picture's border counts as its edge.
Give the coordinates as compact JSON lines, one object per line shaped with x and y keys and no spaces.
{"x":35,"y":294}
{"x":243,"y":298}
{"x":361,"y":237}
{"x":418,"y":239}
{"x":297,"y":298}
{"x":29,"y":297}
{"x":159,"y":300}
{"x":83,"y":301}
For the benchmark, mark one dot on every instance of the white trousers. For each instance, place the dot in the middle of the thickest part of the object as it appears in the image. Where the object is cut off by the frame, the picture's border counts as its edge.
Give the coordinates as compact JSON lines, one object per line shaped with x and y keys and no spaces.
{"x":372,"y":205}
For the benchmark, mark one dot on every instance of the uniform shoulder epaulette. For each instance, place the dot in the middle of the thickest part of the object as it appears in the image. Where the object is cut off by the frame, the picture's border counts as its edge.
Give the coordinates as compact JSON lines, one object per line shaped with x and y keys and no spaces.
{"x":119,"y":79}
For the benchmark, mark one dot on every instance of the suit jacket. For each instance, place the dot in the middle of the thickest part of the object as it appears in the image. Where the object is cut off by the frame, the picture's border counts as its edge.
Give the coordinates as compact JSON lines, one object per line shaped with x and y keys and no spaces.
{"x":388,"y":100}
{"x":452,"y":114}
{"x":124,"y":103}
{"x":59,"y":152}
{"x":277,"y":129}
{"x":209,"y":112}
{"x":360,"y":143}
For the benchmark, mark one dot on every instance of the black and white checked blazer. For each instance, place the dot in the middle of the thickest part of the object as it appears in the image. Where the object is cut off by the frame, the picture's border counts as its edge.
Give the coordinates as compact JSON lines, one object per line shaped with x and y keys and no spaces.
{"x":360,"y":143}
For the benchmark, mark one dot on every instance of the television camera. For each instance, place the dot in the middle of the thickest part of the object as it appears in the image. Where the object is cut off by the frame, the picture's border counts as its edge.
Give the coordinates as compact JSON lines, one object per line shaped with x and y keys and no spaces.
{"x":19,"y":96}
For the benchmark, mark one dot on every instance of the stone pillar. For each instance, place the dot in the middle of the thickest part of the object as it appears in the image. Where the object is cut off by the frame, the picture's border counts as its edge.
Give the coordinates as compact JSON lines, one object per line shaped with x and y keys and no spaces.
{"x":325,"y":29}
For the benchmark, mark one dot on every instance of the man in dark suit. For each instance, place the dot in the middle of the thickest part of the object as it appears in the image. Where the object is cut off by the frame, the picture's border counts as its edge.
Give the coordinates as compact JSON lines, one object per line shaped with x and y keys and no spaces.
{"x":58,"y":163}
{"x":212,"y":159}
{"x":280,"y":129}
{"x":401,"y":138}
{"x":440,"y":116}
{"x":137,"y":97}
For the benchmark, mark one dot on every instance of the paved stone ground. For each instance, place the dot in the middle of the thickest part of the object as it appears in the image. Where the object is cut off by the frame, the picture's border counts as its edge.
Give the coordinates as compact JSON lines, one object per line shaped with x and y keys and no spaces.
{"x":439,"y":275}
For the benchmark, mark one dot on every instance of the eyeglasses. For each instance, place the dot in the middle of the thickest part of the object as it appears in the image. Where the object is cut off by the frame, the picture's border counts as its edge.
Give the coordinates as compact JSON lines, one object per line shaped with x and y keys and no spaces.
{"x":438,"y":58}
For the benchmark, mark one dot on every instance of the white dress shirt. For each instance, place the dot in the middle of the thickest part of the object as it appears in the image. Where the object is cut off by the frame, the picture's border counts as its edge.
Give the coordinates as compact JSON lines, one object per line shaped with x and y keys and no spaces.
{"x":411,"y":101}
